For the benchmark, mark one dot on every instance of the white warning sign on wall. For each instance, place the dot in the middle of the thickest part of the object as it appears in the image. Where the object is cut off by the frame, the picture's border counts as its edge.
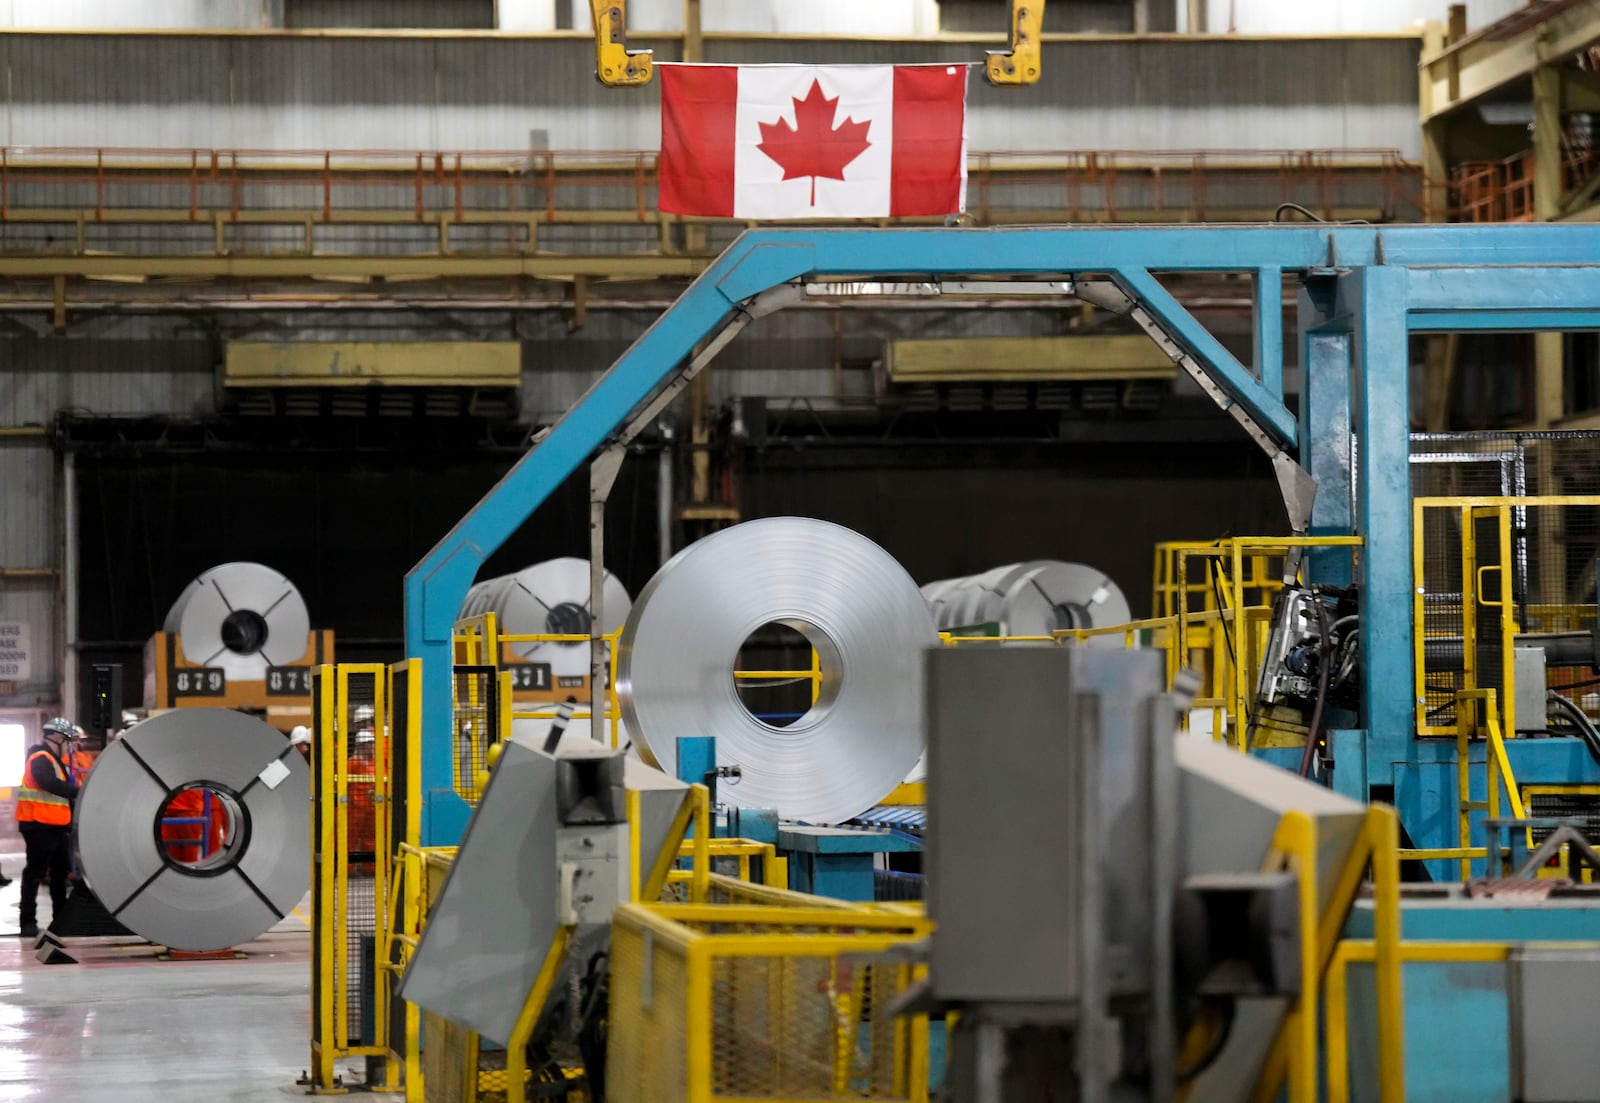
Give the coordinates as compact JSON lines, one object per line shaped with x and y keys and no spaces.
{"x":15,"y":651}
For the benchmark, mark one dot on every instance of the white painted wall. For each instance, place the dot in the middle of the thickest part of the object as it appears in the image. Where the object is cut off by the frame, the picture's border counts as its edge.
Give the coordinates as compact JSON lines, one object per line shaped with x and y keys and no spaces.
{"x":1342,"y":16}
{"x":526,"y":15}
{"x":860,"y":17}
{"x":125,"y":14}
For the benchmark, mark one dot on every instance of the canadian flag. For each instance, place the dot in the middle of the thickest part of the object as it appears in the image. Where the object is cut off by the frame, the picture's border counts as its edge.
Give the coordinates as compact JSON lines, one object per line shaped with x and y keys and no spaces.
{"x":813,"y":141}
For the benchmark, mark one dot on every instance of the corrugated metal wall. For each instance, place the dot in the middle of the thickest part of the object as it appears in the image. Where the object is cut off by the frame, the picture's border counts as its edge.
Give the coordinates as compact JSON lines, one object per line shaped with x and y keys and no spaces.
{"x":29,"y":539}
{"x":133,"y":375}
{"x":422,"y":94}
{"x":877,"y":17}
{"x":477,"y":14}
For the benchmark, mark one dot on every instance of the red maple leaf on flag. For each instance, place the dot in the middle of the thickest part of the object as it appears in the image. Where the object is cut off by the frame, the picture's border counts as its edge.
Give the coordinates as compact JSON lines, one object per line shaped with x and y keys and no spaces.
{"x":814,"y":146}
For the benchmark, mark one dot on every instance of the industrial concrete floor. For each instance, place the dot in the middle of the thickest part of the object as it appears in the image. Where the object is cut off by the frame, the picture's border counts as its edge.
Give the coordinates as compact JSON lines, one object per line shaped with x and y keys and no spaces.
{"x":122,"y":1025}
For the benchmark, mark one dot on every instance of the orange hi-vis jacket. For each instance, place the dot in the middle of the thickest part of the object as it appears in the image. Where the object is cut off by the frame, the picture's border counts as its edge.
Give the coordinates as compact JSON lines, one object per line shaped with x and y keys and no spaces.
{"x":35,"y":805}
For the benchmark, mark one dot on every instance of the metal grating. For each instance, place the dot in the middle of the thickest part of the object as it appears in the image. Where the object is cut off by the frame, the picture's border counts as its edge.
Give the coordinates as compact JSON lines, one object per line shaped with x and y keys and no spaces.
{"x":893,"y":885}
{"x":477,"y":726}
{"x":1582,"y":808}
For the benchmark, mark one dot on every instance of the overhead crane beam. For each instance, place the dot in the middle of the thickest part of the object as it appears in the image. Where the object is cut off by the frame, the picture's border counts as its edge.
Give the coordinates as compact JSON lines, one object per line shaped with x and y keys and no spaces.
{"x":1510,"y":50}
{"x":1366,"y":289}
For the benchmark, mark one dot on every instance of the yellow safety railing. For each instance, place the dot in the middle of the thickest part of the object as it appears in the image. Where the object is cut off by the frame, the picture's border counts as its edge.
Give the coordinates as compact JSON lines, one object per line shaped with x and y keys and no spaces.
{"x":1336,"y":999}
{"x":772,"y":1001}
{"x":350,"y":844}
{"x":774,"y":867}
{"x":1173,"y":591}
{"x":1292,"y":1064}
{"x":1451,"y":606}
{"x":419,"y":877}
{"x":1218,"y":628}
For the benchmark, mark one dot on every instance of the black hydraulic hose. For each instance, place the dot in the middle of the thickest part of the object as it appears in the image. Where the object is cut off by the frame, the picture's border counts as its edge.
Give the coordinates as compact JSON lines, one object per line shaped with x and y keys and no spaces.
{"x":1579,"y":720}
{"x":1325,"y":666}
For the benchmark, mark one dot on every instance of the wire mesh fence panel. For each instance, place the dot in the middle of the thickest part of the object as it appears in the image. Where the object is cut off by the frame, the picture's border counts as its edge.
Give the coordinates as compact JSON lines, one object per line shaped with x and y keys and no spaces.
{"x":807,"y":1027}
{"x":477,"y":724}
{"x":647,"y":1040}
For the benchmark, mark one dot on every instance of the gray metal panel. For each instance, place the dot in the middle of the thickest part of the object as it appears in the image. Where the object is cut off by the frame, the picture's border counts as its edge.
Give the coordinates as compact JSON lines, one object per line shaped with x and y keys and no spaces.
{"x":1531,"y":689}
{"x":660,"y":798}
{"x":1554,"y":1058}
{"x":1232,"y":804}
{"x":997,"y":762}
{"x":495,"y":919}
{"x":1002,"y":758}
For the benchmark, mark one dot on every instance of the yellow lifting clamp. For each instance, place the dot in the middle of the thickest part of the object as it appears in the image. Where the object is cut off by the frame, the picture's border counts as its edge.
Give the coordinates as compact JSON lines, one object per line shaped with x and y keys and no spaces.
{"x":619,"y":67}
{"x":615,"y":65}
{"x":1021,"y":64}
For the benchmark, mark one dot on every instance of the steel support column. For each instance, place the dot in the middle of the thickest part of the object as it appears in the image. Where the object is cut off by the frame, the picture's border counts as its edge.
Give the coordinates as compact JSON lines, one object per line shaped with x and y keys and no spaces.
{"x":1325,"y":429}
{"x":1373,"y":302}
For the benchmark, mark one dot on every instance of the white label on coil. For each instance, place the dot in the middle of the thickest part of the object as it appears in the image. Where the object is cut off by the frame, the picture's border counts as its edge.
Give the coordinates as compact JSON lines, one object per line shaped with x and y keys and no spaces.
{"x":1100,"y":595}
{"x":274,"y":773}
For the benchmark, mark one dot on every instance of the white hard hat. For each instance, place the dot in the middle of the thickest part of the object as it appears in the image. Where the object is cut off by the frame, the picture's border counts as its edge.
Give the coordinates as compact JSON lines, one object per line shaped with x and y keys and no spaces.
{"x":364,"y":714}
{"x":300,"y":736}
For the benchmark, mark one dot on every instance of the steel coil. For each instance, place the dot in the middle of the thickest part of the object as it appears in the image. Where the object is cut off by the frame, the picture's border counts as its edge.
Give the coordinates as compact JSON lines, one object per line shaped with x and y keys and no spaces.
{"x":856,"y":606}
{"x":1035,"y":598}
{"x":550,"y":598}
{"x":257,"y":874}
{"x":243,"y":618}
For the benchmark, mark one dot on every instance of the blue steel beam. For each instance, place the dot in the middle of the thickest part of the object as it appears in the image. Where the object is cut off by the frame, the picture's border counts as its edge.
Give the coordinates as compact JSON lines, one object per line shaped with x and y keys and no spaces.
{"x":763,"y":259}
{"x":1266,"y":407}
{"x":1268,"y":312}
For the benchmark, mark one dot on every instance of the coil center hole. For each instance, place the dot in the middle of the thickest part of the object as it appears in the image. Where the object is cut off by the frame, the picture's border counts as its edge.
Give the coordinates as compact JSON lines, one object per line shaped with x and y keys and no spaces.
{"x":201,"y":829}
{"x":787,"y":673}
{"x":244,"y":631}
{"x":568,"y":619}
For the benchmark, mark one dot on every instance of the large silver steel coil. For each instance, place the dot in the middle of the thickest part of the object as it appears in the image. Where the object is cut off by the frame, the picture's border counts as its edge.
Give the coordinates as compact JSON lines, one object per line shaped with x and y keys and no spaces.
{"x":855,"y":605}
{"x":1034,"y":598}
{"x":550,"y":598}
{"x":242,"y":617}
{"x":212,"y":898}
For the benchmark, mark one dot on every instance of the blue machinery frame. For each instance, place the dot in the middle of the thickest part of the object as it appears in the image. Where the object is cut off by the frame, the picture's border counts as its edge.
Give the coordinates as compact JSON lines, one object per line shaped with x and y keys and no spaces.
{"x":1365,"y":290}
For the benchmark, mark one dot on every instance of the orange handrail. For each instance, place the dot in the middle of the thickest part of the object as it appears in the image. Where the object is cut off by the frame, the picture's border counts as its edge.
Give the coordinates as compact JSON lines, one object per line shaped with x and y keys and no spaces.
{"x":571,"y":185}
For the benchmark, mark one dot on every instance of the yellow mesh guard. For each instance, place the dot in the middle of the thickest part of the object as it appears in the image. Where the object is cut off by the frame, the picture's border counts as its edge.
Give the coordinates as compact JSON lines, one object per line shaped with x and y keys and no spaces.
{"x":797,"y":996}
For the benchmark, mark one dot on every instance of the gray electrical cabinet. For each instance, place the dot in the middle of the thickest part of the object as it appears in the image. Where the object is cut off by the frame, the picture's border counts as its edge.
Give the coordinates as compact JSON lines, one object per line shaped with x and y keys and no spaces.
{"x":1012,"y":734}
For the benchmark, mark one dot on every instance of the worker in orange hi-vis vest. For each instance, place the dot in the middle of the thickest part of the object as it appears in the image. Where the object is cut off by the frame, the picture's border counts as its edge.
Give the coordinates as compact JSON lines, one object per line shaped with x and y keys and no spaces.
{"x":44,"y":816}
{"x":360,"y":780}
